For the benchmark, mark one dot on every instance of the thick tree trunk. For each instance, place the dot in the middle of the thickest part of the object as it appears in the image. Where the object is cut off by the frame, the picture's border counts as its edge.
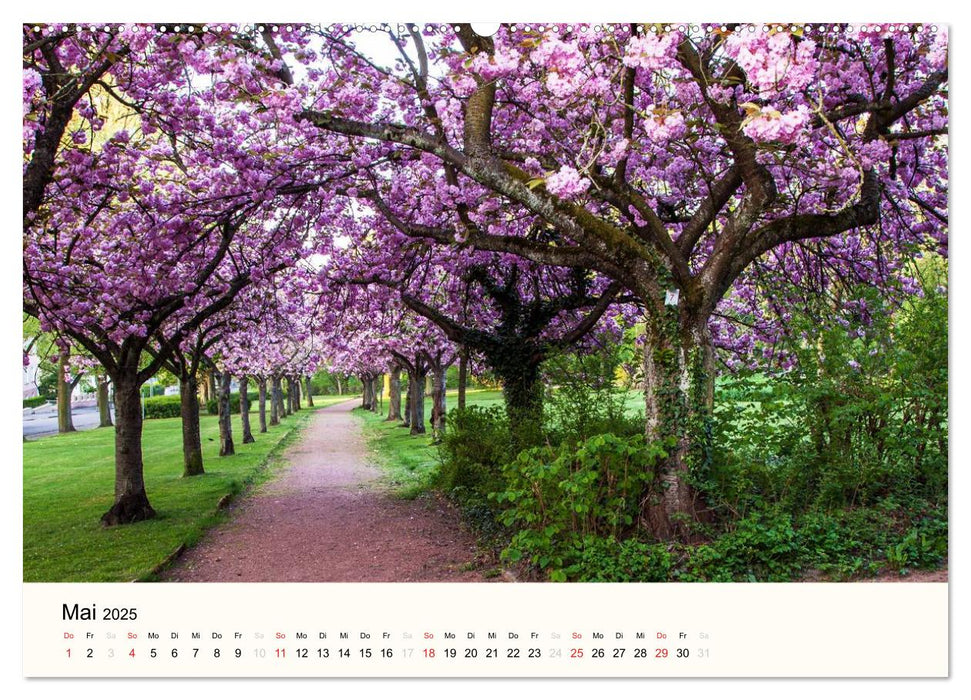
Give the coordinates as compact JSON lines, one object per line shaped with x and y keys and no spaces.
{"x":463,"y":376}
{"x":679,"y":396}
{"x":244,"y":409}
{"x":104,"y":404}
{"x":438,"y":403}
{"x":191,"y":437}
{"x":131,"y":502}
{"x":394,"y":393}
{"x":262,"y":388}
{"x":295,"y":389}
{"x":309,"y":392}
{"x":226,"y":447}
{"x":417,"y":379}
{"x":523,"y":394}
{"x":276,"y":400}
{"x":65,"y":422}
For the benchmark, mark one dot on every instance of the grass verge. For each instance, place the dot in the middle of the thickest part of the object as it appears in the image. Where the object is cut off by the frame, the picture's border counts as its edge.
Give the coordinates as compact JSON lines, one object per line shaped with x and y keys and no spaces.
{"x":69,"y":479}
{"x":410,"y":461}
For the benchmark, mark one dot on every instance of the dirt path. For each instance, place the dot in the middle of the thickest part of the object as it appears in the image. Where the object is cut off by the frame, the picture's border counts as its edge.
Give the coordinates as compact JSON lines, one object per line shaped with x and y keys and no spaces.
{"x":326,"y":519}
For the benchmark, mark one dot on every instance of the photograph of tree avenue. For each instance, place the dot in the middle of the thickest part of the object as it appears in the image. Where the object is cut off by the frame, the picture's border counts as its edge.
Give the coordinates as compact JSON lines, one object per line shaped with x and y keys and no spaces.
{"x":545,"y":302}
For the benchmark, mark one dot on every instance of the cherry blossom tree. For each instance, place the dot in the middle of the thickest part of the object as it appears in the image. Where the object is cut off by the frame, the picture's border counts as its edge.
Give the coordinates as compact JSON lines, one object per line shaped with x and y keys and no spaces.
{"x":673,"y":162}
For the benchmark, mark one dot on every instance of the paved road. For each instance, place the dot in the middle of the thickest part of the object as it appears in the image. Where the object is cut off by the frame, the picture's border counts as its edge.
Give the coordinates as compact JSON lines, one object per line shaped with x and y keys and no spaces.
{"x":42,"y":420}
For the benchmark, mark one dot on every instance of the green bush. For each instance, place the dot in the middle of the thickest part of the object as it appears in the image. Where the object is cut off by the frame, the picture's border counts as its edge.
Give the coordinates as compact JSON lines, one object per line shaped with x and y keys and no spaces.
{"x":557,"y":496}
{"x":34,"y":402}
{"x":163,"y":407}
{"x":608,"y":559}
{"x":473,"y":450}
{"x":212,"y":406}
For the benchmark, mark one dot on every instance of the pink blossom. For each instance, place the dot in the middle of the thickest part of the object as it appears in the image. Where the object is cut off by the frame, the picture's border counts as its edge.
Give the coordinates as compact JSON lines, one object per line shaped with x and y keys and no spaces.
{"x":652,"y":51}
{"x":566,"y":182}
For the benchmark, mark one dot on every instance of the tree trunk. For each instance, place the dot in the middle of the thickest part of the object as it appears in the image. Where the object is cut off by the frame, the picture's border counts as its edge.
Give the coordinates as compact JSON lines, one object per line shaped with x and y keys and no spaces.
{"x":417,"y":380}
{"x":406,"y":419}
{"x":291,"y":399}
{"x":463,"y":376}
{"x":438,"y":403}
{"x":65,"y":422}
{"x":340,"y":389}
{"x":191,"y":437}
{"x":429,"y":389}
{"x":295,"y":388}
{"x":244,"y":409}
{"x":523,"y":394}
{"x":131,"y":502}
{"x":262,"y":387}
{"x":375,"y":393}
{"x":310,"y":394}
{"x":394,"y":393}
{"x":276,"y":400}
{"x":226,"y":447}
{"x":104,"y":404}
{"x":679,"y":396}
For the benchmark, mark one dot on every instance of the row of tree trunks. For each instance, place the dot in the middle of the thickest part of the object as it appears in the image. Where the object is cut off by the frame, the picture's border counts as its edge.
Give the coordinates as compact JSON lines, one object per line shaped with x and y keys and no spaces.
{"x":371,"y":391}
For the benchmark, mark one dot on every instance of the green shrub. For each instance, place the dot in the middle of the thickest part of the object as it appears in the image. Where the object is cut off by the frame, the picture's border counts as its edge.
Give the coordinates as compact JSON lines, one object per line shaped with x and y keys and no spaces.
{"x":555,"y":496}
{"x":163,"y":407}
{"x":594,"y":558}
{"x":34,"y":402}
{"x":212,"y":406}
{"x":475,"y":446}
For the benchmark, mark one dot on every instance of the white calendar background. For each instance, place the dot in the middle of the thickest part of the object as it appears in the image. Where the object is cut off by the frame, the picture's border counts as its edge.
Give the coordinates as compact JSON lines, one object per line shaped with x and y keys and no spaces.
{"x":519,"y":630}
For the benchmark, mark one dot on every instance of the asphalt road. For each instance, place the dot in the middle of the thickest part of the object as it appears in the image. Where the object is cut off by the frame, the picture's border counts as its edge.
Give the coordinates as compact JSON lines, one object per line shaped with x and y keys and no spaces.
{"x":42,"y":420}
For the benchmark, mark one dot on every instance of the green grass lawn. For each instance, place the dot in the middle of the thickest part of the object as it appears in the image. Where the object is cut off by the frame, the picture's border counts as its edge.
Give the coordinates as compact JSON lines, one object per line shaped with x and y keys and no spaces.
{"x":69,"y":482}
{"x":411,"y":461}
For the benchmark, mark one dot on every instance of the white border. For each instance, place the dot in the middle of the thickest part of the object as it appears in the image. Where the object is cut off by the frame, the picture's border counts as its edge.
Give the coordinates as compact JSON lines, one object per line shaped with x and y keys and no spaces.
{"x":494,"y":10}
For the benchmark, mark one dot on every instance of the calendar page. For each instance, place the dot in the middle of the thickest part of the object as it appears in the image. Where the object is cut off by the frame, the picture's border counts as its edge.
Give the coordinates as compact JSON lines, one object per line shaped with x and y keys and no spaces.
{"x":365,"y":347}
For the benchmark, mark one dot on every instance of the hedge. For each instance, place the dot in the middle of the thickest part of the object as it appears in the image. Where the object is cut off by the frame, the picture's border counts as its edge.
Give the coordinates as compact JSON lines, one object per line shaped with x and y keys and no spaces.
{"x":34,"y":402}
{"x":163,"y":407}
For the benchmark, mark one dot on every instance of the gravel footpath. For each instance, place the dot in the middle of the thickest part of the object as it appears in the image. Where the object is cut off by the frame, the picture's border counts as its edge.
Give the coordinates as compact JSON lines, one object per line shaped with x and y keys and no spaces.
{"x":326,"y":518}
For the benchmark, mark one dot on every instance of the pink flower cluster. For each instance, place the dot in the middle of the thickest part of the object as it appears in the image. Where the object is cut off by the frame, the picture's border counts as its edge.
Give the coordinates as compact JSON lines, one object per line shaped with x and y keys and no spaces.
{"x":772,"y":125}
{"x":773,"y":63}
{"x":566,"y":183}
{"x":652,"y":51}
